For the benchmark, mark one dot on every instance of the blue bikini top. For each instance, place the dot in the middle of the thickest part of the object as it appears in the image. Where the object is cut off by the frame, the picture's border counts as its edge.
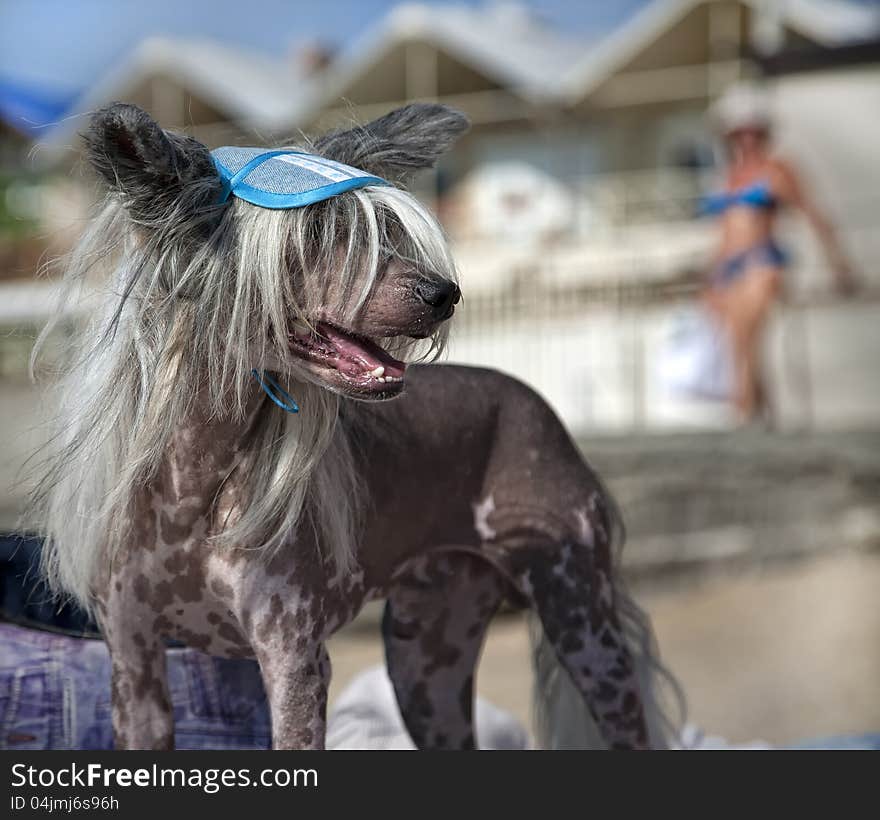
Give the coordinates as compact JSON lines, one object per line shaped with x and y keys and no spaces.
{"x":757,"y":195}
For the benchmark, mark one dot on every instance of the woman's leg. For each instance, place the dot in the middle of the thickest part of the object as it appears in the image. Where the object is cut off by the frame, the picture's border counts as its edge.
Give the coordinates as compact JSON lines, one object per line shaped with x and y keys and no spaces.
{"x":747,"y":307}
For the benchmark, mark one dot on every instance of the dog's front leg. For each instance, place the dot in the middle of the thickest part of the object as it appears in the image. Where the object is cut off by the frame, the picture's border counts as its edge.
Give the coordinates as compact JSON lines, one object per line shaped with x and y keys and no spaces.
{"x":296,"y":685}
{"x":141,"y":705}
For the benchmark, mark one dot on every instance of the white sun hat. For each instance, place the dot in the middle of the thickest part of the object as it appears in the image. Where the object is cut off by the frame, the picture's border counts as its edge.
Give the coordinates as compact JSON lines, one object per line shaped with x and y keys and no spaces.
{"x":741,"y":106}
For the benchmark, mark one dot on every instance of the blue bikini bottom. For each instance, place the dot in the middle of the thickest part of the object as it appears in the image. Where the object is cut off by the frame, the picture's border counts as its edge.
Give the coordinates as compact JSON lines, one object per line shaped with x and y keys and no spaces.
{"x":765,"y":255}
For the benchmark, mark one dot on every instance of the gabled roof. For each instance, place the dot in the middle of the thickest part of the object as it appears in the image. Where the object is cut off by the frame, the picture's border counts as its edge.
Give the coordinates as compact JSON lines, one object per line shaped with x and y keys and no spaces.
{"x":827,"y":22}
{"x":505,"y":42}
{"x":251,"y":89}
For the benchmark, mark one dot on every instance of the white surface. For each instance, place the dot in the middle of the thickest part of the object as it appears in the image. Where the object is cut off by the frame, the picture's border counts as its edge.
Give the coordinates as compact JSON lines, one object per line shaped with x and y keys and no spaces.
{"x":366,"y":716}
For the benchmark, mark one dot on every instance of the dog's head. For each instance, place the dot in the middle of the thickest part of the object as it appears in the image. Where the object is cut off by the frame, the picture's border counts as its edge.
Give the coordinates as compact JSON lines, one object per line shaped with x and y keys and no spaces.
{"x":336,"y":293}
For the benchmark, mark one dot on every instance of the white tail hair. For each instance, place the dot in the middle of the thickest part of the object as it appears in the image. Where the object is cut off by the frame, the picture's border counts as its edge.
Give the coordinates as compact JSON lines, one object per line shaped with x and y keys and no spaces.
{"x":561,"y":717}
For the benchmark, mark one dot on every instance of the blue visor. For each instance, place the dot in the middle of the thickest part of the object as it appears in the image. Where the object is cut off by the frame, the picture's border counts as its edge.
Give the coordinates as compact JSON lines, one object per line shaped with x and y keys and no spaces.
{"x":285,"y":179}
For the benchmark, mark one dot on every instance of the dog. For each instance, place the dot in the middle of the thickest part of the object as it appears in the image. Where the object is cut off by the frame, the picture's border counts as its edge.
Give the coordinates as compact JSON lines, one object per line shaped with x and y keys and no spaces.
{"x":179,"y":501}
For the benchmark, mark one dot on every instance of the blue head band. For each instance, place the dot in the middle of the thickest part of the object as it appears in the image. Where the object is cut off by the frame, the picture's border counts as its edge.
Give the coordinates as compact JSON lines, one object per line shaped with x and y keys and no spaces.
{"x":285,"y":179}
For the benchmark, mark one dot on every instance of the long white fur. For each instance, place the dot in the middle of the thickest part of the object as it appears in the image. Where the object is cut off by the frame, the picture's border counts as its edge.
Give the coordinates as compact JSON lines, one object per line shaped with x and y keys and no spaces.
{"x":187,"y":321}
{"x":561,"y":717}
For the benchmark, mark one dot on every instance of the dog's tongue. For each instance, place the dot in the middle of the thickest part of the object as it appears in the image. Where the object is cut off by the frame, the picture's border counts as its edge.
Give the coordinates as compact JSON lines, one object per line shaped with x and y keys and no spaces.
{"x":360,"y":355}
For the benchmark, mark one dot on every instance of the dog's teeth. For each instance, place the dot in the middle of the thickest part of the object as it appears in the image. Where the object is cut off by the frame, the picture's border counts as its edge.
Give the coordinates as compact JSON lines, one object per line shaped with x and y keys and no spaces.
{"x":378,"y":372}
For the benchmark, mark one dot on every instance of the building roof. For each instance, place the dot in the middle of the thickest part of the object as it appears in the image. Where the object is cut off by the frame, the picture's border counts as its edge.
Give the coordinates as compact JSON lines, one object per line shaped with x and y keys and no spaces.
{"x":253,"y":88}
{"x":826,"y":22}
{"x":504,"y":42}
{"x":830,"y":22}
{"x":509,"y":44}
{"x":249,"y":88}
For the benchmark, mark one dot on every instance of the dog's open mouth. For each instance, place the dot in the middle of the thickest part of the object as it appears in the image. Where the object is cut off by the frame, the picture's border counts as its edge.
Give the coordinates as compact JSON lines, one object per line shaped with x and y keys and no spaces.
{"x":360,"y":362}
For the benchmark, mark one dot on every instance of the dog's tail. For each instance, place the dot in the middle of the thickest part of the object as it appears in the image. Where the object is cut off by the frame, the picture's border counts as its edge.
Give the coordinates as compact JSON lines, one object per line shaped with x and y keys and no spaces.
{"x":561,"y":717}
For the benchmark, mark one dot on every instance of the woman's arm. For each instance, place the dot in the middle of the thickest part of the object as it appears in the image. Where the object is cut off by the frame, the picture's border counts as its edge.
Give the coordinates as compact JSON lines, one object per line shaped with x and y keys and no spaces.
{"x":793,"y":193}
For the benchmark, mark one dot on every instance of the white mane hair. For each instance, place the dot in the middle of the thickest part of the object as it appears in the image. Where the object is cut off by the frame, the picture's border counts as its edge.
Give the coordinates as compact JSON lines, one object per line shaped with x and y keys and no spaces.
{"x":191,"y":299}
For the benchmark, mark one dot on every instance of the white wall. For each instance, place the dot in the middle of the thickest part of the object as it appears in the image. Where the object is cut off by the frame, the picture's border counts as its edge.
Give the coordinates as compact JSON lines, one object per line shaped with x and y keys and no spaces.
{"x":828,"y":123}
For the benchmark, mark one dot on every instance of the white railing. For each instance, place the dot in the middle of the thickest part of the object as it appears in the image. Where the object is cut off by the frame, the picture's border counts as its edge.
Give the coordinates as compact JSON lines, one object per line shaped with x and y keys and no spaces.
{"x":583,"y":315}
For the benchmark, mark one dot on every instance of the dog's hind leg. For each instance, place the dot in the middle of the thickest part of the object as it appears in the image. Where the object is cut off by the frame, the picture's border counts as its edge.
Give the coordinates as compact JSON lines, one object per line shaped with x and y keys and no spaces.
{"x":571,"y":589}
{"x":435,"y":621}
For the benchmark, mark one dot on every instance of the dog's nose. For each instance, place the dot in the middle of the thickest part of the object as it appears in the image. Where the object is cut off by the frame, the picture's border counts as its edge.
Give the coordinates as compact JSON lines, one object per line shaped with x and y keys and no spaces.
{"x":441,"y":295}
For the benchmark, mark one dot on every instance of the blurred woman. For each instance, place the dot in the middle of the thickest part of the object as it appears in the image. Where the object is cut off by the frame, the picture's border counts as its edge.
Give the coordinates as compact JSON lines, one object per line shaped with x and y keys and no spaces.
{"x":748,"y":266}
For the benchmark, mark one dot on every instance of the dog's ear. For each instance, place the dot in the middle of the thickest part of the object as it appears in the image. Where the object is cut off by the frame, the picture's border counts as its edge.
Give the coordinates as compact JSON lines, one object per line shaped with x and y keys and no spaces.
{"x":399,"y":144}
{"x":148,"y":168}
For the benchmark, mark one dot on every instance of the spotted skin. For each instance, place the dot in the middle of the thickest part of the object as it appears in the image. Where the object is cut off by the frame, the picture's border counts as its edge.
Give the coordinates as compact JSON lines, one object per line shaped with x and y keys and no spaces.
{"x":574,"y":599}
{"x":476,"y":493}
{"x":141,"y":704}
{"x":435,"y":621}
{"x":296,"y":688}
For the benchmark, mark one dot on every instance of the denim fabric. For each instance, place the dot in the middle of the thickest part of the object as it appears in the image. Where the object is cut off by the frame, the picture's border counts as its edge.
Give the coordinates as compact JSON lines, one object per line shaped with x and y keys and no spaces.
{"x":55,"y":677}
{"x":55,"y":694}
{"x":24,"y":598}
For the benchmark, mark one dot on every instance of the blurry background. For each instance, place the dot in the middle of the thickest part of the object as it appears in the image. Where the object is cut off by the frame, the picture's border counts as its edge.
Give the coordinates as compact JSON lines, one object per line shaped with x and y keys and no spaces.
{"x":572,"y":207}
